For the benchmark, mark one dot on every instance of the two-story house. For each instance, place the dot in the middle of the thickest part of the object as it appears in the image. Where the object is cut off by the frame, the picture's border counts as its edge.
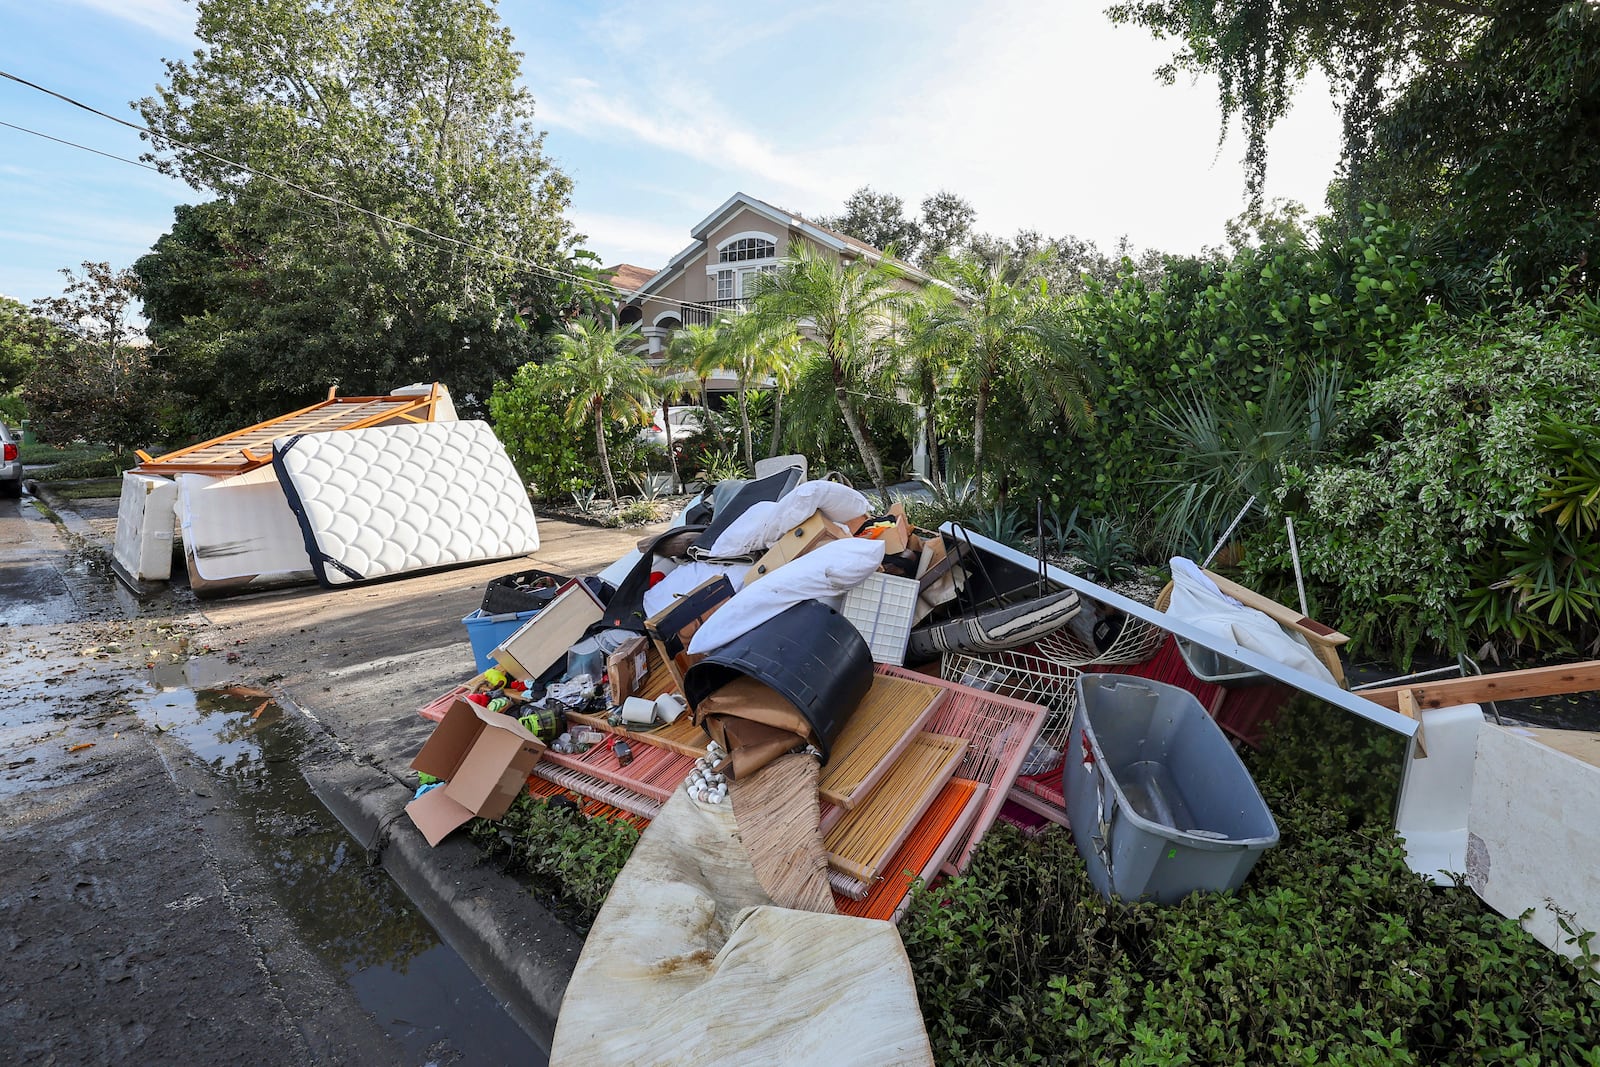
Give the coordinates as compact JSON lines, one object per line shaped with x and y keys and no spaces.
{"x":711,"y":278}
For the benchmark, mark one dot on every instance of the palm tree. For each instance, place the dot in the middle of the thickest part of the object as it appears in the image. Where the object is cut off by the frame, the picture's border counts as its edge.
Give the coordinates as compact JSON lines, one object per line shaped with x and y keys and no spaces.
{"x":606,"y":380}
{"x":755,"y":351}
{"x":698,"y":350}
{"x":786,"y":356}
{"x":926,"y":362}
{"x":844,"y":310}
{"x":671,"y":385}
{"x":998,"y":328}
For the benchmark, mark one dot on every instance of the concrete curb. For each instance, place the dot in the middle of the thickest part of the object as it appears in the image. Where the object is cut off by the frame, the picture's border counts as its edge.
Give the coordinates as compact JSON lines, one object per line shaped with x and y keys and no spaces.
{"x":521,"y":951}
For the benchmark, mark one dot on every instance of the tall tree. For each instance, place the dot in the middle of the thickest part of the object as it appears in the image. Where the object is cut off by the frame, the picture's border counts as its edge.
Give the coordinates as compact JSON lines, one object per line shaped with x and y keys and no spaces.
{"x":92,"y":378}
{"x":1474,"y":118}
{"x":605,"y":379}
{"x":1000,"y":330}
{"x":846,"y":310}
{"x":20,"y":337}
{"x":879,"y":220}
{"x":946,"y":224}
{"x":364,"y":123}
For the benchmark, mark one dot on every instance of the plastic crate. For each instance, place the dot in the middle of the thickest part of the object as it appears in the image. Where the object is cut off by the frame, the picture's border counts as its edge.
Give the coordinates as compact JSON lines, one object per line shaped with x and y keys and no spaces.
{"x":1159,"y":803}
{"x":523,"y":591}
{"x":882,"y":608}
{"x":486,"y":631}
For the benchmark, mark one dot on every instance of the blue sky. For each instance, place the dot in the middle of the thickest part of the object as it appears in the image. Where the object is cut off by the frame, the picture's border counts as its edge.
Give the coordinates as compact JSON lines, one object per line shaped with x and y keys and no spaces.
{"x":1042,"y":115}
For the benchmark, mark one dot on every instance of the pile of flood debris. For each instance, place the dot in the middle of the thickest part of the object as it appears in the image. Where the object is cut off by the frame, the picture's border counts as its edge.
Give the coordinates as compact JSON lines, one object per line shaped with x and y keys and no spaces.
{"x":812,"y":705}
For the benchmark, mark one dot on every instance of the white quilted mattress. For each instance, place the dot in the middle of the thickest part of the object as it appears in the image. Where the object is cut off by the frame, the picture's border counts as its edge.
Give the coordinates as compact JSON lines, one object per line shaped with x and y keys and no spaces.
{"x":393,"y":499}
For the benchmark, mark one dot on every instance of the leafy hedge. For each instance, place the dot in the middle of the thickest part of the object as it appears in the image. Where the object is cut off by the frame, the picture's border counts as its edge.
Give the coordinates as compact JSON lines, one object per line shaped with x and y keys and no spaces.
{"x":1431,"y":525}
{"x":1333,"y":952}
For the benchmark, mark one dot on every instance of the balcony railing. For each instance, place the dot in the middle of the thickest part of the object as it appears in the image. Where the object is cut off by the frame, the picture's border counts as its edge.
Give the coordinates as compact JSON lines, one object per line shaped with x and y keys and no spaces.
{"x":709,"y":312}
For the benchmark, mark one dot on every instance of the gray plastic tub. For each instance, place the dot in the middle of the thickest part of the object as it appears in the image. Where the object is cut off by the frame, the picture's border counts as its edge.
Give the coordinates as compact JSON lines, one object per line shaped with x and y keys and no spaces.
{"x":1159,"y":802}
{"x":1213,"y":667}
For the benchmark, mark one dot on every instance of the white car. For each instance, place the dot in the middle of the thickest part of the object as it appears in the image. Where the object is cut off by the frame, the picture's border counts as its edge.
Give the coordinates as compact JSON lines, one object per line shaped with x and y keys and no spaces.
{"x":686,"y":422}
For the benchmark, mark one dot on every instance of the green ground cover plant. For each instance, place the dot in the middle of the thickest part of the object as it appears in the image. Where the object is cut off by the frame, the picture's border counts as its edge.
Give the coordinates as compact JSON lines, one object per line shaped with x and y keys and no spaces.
{"x":1332,"y":952}
{"x":571,"y":859}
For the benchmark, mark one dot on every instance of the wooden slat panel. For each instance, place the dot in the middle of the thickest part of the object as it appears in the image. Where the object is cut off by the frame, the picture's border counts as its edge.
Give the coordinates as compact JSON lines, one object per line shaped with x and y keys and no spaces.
{"x":1479,"y":688}
{"x":230,"y":453}
{"x":862,"y":841}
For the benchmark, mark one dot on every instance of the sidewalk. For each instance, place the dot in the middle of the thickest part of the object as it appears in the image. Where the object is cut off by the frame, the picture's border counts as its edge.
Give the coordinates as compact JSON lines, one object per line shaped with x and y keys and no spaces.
{"x":358,"y":662}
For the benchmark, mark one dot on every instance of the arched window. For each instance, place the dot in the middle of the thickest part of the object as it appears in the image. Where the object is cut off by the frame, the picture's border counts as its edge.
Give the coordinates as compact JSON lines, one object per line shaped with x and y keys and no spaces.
{"x":746,"y":248}
{"x":630,"y":315}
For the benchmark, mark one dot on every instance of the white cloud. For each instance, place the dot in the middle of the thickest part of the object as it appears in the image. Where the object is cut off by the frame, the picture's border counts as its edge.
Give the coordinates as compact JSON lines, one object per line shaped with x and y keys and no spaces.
{"x":644,"y":242}
{"x":676,"y":117}
{"x":173,"y":19}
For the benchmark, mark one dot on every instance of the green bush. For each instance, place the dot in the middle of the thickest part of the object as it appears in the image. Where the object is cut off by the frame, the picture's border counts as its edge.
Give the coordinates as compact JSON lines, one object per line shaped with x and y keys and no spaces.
{"x":1429,"y":526}
{"x":553,"y":456}
{"x":1332,"y":952}
{"x":572,"y":857}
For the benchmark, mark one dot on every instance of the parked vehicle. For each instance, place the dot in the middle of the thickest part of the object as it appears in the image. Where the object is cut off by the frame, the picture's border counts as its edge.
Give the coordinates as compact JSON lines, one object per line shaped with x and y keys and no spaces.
{"x":10,"y":462}
{"x":686,"y":422}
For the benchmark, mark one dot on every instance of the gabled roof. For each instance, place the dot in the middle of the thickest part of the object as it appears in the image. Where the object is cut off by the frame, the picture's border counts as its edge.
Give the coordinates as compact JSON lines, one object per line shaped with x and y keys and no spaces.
{"x":822,"y":235}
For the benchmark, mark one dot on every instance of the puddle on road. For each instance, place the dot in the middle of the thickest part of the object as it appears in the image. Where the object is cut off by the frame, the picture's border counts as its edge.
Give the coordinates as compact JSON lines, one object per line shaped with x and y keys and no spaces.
{"x":418,"y":989}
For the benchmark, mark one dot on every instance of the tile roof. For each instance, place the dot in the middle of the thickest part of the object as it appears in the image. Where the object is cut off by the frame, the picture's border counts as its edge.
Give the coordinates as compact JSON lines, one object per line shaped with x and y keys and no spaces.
{"x":628,"y":276}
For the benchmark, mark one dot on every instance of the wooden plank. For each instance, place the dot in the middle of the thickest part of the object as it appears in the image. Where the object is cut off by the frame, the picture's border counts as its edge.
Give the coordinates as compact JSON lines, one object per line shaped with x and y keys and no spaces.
{"x":1408,"y":708}
{"x":1480,"y":688}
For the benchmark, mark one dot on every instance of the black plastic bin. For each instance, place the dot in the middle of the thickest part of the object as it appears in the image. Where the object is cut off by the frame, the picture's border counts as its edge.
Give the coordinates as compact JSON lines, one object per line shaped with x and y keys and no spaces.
{"x":811,"y":655}
{"x":523,"y":591}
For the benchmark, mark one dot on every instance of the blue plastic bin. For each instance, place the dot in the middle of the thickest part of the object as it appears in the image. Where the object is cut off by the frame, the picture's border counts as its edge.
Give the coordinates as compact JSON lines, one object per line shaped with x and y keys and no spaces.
{"x":1159,"y":802}
{"x":487,"y":631}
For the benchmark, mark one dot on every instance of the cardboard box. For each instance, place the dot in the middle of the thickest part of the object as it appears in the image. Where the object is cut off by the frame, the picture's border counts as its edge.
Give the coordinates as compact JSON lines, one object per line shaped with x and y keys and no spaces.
{"x":672,"y":628}
{"x":483,"y":757}
{"x":544,"y":639}
{"x":895,"y":534}
{"x":813,"y":533}
{"x":626,"y":668}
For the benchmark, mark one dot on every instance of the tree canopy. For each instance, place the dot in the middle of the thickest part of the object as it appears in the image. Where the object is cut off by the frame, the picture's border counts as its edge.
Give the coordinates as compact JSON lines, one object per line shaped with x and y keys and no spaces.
{"x":92,"y":378}
{"x":396,"y":195}
{"x":1473,"y":118}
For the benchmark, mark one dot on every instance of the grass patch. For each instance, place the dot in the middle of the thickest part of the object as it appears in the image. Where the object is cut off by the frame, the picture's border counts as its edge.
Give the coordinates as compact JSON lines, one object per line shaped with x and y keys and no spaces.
{"x":39,"y":452}
{"x":93,"y":489}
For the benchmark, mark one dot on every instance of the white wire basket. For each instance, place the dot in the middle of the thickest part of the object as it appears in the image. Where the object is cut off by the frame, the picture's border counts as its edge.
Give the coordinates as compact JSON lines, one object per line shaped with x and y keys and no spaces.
{"x":1023,"y":677}
{"x":1137,"y":642}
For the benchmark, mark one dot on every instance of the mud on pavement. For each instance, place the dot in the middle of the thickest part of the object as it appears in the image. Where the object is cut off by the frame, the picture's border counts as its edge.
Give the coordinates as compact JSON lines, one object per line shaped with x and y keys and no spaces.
{"x":170,"y":890}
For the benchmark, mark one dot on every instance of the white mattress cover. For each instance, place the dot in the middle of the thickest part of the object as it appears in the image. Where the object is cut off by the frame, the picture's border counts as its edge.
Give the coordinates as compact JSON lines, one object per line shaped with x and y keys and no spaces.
{"x":143,"y":542}
{"x":240,"y":527}
{"x":394,"y":499}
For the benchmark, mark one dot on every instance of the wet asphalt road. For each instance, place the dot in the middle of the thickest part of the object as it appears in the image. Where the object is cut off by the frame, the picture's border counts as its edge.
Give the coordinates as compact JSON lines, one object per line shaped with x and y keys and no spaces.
{"x":168,"y":891}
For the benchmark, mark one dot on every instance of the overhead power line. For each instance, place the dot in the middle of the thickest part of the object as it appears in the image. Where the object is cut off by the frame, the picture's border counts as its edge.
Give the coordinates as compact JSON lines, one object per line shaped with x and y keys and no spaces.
{"x":551,"y":272}
{"x":84,"y":148}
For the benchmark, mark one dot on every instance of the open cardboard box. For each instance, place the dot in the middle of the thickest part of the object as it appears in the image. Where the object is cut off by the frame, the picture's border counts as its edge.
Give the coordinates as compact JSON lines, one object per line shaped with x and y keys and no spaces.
{"x":483,"y":757}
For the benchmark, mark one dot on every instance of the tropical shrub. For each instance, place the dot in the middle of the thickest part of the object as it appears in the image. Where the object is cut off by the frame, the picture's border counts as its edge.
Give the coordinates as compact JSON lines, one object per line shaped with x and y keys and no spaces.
{"x":1332,"y":952}
{"x":554,"y":458}
{"x":1431,"y":528}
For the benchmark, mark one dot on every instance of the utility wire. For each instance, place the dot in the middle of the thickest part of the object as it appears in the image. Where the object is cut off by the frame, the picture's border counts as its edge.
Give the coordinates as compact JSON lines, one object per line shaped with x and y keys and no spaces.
{"x":551,"y":272}
{"x":85,"y":148}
